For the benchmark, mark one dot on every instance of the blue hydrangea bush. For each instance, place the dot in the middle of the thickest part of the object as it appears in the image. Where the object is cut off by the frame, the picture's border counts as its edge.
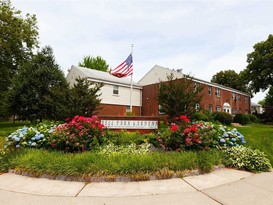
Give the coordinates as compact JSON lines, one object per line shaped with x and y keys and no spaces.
{"x":35,"y":137}
{"x":230,"y":138}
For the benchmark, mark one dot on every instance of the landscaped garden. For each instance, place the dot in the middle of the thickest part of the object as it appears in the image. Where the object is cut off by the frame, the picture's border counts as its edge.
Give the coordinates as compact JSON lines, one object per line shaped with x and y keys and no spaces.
{"x":82,"y":149}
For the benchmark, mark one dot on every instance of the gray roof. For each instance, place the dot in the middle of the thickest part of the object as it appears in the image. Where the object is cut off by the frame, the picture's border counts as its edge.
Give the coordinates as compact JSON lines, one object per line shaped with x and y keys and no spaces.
{"x":255,"y":105}
{"x":101,"y":76}
{"x":180,"y":75}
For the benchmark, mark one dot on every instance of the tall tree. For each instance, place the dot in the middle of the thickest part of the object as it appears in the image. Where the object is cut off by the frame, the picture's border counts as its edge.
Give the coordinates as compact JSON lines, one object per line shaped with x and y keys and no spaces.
{"x":179,"y":96}
{"x":84,"y":97}
{"x":268,"y":105}
{"x":18,"y":36}
{"x":27,"y":96}
{"x":230,"y":79}
{"x":259,"y":71}
{"x":96,"y":63}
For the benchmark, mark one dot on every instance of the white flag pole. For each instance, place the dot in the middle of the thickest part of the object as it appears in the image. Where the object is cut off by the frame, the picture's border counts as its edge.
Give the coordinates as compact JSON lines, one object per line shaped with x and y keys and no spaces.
{"x":131,"y":88}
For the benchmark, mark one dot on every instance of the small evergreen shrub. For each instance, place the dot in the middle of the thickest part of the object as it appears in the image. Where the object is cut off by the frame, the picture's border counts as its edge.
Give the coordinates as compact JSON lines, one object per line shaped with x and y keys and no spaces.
{"x":209,"y":115}
{"x":243,"y":119}
{"x":223,"y":117}
{"x":200,"y":116}
{"x":123,"y":138}
{"x":246,"y":159}
{"x":253,"y":118}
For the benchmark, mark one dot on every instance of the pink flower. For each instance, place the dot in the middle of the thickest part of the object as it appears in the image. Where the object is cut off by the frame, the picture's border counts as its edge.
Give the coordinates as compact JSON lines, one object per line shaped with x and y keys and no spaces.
{"x":187,"y":140}
{"x":187,"y":130}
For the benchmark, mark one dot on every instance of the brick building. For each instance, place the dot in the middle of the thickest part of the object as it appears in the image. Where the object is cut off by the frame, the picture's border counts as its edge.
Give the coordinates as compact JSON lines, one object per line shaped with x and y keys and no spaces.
{"x":115,"y":93}
{"x":215,"y":97}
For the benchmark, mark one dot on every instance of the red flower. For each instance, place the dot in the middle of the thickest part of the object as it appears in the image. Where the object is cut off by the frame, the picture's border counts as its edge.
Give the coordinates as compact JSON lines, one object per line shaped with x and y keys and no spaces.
{"x":184,"y":118}
{"x":67,"y":119}
{"x":101,"y":126}
{"x":174,"y":127}
{"x":193,"y":129}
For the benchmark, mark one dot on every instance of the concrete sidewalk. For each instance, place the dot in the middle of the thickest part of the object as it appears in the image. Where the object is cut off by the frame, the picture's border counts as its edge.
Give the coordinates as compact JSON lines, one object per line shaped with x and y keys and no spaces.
{"x":223,"y":186}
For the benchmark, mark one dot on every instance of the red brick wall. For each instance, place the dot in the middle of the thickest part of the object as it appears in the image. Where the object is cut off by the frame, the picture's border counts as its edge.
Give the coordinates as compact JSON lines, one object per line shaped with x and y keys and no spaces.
{"x":149,"y":100}
{"x":119,"y":110}
{"x":150,"y":103}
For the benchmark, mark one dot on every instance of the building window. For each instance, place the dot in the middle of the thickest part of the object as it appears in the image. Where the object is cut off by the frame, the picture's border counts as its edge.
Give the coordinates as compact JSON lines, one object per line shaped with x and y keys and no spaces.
{"x":197,"y":107}
{"x":246,"y":99}
{"x":218,"y":92}
{"x":160,"y":110}
{"x":233,"y":96}
{"x":218,"y":108}
{"x":115,"y":90}
{"x":128,"y":108}
{"x":196,"y":86}
{"x":239,"y":97}
{"x":234,"y":110}
{"x":210,"y":108}
{"x":209,"y":90}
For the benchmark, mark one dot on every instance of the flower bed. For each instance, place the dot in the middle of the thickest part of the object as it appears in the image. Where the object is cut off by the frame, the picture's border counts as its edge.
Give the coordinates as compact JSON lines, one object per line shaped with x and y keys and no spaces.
{"x":183,"y":135}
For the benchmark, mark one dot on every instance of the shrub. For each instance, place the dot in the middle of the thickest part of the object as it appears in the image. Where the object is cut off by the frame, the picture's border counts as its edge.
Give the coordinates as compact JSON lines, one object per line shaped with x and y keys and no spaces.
{"x":200,"y":116}
{"x":223,"y":117}
{"x":246,"y":159}
{"x":253,"y":118}
{"x":123,"y":138}
{"x":78,"y":135}
{"x":132,"y":149}
{"x":208,"y":114}
{"x":198,"y":135}
{"x":231,"y":137}
{"x":30,"y":136}
{"x":243,"y":119}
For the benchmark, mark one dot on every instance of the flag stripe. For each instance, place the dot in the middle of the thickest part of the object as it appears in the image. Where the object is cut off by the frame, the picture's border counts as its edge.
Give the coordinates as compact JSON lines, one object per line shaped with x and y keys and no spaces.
{"x":124,"y":69}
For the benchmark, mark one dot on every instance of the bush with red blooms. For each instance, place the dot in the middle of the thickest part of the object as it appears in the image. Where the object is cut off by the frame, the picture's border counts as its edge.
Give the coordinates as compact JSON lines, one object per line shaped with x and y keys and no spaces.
{"x":77,"y":135}
{"x":184,"y":135}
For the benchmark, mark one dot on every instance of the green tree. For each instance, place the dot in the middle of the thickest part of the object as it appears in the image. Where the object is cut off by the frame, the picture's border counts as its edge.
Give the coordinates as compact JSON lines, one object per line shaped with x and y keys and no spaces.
{"x":31,"y":86}
{"x":230,"y":79}
{"x":269,"y":97}
{"x":268,"y":105}
{"x":96,"y":63}
{"x":259,"y":71}
{"x":261,"y":102}
{"x":84,"y":97}
{"x":179,"y":96}
{"x":18,"y":37}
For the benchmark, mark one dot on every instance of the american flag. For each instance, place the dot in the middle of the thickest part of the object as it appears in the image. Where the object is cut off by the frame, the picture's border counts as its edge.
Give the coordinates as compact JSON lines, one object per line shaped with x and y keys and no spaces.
{"x":124,"y":69}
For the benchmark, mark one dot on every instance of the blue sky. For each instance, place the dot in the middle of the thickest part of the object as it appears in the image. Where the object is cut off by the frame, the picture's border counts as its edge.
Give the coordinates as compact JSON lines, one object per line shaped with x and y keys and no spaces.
{"x":201,"y":37}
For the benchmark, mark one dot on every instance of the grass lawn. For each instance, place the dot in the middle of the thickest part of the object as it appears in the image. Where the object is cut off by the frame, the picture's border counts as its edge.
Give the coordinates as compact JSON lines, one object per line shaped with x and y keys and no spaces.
{"x":259,"y":136}
{"x":7,"y":127}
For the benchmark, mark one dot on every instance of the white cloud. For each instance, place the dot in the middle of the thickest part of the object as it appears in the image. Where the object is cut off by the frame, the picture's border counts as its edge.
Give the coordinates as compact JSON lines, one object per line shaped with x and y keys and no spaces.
{"x":200,"y":36}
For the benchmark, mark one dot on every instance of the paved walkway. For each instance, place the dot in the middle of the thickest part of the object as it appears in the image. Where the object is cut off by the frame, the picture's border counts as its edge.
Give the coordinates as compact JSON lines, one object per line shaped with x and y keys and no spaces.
{"x":223,"y":186}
